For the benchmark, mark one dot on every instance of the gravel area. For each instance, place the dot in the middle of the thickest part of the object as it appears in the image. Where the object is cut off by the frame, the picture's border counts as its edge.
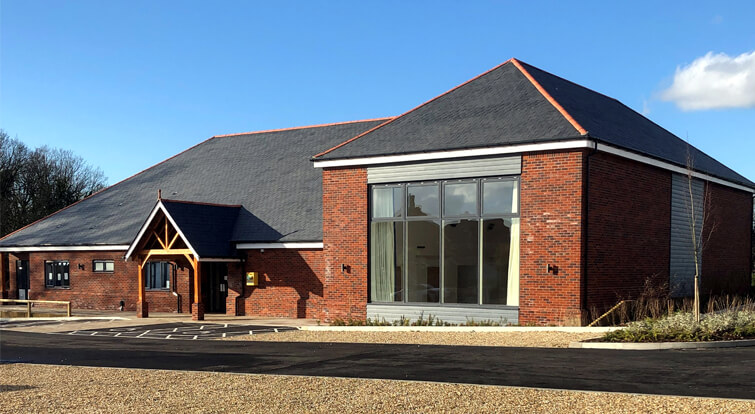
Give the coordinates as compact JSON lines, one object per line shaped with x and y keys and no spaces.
{"x":547,"y":339}
{"x":45,"y":388}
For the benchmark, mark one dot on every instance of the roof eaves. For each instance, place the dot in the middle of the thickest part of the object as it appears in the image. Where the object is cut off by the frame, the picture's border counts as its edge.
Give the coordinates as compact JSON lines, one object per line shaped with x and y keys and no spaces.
{"x":528,"y":142}
{"x":746,"y":183}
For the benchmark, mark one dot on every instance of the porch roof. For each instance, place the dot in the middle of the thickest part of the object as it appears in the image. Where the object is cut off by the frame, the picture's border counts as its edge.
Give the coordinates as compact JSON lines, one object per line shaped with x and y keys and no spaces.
{"x":206,"y":229}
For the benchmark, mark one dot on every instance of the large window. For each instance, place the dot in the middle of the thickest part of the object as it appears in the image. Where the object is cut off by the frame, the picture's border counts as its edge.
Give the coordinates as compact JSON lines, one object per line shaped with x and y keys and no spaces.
{"x":453,"y":241}
{"x":57,"y":274}
{"x":157,"y":275}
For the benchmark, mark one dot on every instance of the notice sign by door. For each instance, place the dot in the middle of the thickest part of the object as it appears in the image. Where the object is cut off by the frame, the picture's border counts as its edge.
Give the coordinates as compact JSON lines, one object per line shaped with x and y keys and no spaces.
{"x":252,"y":279}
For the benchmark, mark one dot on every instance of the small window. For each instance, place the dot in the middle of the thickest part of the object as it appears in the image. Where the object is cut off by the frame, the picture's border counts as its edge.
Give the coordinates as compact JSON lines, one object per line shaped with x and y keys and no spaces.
{"x":460,"y":199}
{"x":56,"y":274}
{"x":500,"y":197}
{"x":157,"y":275}
{"x":423,"y":200}
{"x":103,"y":266}
{"x":387,"y":202}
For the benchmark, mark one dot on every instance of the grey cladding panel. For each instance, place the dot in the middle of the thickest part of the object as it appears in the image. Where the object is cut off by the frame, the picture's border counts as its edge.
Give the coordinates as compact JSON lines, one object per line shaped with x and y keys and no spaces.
{"x":445,"y":170}
{"x":452,"y":314}
{"x":682,"y":269}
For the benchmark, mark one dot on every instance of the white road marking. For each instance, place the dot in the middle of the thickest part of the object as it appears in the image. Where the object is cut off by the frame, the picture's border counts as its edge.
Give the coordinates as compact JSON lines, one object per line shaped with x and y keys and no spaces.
{"x":175,"y":329}
{"x":118,"y":334}
{"x":143,"y":333}
{"x":167,"y":337}
{"x":223,"y":334}
{"x":195,"y":337}
{"x":93,"y":334}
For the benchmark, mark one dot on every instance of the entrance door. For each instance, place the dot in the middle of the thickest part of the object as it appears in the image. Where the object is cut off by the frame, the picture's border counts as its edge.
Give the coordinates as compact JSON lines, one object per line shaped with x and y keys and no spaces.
{"x":215,"y":284}
{"x":22,"y":279}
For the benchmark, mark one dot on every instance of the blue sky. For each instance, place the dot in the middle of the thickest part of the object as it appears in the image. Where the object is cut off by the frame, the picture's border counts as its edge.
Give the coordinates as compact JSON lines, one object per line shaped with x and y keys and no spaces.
{"x":126,"y":84}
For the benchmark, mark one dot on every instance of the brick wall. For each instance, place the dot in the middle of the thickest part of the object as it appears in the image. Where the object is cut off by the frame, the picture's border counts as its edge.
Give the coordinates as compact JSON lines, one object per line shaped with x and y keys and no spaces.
{"x":629,"y":224}
{"x":234,"y":302}
{"x":291,"y":284}
{"x":551,"y":233}
{"x":345,"y":218}
{"x":726,"y":259}
{"x":96,"y":290}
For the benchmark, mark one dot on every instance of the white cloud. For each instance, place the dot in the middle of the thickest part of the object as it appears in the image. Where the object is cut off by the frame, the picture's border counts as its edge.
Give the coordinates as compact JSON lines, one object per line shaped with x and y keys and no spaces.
{"x":714,"y":81}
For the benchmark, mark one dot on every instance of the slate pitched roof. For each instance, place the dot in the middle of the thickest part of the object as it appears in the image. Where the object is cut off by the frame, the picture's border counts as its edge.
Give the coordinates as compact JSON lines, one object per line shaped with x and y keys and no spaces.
{"x":516,"y":103}
{"x":267,"y":173}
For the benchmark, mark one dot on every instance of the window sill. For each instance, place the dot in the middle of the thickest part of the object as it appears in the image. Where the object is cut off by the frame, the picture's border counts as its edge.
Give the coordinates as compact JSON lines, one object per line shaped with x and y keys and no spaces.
{"x":157,"y":290}
{"x":103,"y":271}
{"x":58,"y":287}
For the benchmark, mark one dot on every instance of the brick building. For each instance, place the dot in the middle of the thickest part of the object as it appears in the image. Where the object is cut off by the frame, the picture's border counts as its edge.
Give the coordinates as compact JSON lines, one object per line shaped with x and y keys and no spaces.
{"x":517,"y":195}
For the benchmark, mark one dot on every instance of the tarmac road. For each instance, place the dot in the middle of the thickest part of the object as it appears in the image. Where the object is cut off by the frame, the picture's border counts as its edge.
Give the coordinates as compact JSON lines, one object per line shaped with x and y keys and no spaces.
{"x":723,"y":373}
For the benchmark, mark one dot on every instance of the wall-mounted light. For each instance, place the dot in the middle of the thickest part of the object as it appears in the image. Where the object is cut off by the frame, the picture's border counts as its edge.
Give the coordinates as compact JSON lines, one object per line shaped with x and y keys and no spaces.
{"x":552,"y":269}
{"x":81,"y":266}
{"x":345,"y":268}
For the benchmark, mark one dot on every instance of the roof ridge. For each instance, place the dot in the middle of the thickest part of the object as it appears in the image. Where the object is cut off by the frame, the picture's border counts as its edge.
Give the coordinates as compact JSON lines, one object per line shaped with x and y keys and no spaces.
{"x":411,"y":110}
{"x":300,"y":127}
{"x":199,"y":203}
{"x":570,"y":81}
{"x":549,"y":98}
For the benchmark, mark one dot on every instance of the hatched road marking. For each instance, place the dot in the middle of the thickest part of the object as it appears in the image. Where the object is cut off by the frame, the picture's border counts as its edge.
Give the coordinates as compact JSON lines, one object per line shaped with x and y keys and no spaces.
{"x":181,"y":330}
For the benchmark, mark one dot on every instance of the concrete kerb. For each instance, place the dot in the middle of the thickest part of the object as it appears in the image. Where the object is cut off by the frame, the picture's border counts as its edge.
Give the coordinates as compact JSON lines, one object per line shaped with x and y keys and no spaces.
{"x":655,"y":346}
{"x":569,"y":329}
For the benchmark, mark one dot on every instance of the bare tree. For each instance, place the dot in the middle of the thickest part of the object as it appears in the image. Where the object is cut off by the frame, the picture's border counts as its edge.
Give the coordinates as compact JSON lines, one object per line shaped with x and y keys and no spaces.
{"x":36,"y":183}
{"x":701,"y":227}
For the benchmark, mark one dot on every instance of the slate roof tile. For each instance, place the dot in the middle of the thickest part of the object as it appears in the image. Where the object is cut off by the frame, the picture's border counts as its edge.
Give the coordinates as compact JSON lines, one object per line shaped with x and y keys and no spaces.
{"x":504,"y":107}
{"x":268,"y":173}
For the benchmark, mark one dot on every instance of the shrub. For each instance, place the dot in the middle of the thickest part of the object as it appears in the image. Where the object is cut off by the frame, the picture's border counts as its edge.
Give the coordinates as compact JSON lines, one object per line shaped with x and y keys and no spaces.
{"x":681,"y":326}
{"x":430,"y":320}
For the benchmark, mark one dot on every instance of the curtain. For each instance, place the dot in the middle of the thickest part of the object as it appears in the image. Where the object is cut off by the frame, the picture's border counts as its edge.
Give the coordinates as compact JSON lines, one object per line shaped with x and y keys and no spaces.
{"x":382,"y":248}
{"x":512,"y":290}
{"x":515,"y":198}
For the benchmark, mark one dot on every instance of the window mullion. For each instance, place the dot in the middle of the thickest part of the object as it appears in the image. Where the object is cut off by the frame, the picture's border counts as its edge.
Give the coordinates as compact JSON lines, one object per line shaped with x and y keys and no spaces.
{"x":405,"y":275}
{"x":479,"y":260}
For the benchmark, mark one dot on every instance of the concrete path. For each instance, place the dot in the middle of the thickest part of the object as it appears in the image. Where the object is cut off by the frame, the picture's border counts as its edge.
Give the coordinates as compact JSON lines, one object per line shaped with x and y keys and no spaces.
{"x":725,"y":373}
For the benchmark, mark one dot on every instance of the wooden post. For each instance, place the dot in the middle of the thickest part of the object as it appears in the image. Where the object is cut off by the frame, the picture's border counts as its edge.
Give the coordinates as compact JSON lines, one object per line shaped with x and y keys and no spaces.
{"x":197,"y":282}
{"x":142,"y":308}
{"x":197,"y":309}
{"x":28,"y":309}
{"x":69,"y":309}
{"x":3,"y":275}
{"x":140,"y":277}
